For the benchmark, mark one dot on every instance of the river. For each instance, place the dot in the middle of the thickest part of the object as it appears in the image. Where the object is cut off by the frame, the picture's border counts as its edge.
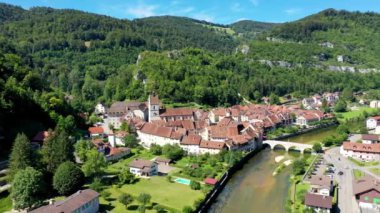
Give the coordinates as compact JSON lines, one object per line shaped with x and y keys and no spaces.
{"x":255,"y":189}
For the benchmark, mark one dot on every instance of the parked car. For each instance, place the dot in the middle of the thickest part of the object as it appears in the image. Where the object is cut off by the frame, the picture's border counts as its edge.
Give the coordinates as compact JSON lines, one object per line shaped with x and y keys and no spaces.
{"x":340,"y":173}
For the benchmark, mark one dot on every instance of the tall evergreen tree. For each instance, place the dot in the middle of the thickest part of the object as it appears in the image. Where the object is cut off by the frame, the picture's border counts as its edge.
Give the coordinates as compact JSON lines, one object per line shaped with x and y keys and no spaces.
{"x":21,"y":155}
{"x":57,"y":149}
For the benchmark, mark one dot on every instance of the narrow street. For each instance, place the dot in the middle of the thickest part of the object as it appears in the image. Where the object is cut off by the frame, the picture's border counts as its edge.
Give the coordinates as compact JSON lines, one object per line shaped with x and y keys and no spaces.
{"x":346,"y":200}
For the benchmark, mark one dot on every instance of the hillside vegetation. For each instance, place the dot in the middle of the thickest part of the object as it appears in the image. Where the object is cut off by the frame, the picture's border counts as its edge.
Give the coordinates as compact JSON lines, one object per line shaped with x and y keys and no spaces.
{"x":60,"y":62}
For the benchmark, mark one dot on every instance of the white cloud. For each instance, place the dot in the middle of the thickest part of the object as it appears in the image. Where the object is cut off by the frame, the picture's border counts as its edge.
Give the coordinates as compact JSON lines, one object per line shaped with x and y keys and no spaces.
{"x":293,"y":11}
{"x":255,"y":2}
{"x":142,"y":10}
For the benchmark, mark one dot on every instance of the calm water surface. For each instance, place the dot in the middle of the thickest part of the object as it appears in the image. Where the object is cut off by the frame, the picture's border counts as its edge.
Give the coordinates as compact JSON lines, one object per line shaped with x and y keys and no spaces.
{"x":255,"y":189}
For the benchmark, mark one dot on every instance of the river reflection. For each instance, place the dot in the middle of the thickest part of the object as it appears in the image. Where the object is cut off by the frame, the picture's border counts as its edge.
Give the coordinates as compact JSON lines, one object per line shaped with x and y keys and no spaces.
{"x":254,"y":188}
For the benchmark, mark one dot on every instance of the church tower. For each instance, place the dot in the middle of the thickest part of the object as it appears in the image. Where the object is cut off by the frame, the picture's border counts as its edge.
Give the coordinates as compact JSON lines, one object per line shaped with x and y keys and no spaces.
{"x":153,"y":108}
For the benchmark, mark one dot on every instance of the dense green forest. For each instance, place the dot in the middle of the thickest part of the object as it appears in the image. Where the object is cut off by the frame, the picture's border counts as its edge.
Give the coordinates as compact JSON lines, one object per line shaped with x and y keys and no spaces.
{"x":58,"y":62}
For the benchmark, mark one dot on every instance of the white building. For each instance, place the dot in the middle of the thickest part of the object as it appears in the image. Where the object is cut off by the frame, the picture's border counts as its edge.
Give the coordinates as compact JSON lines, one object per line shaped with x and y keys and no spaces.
{"x":153,"y":134}
{"x":374,"y":104}
{"x":142,"y":167}
{"x":100,"y":109}
{"x":373,"y":122}
{"x":117,"y":138}
{"x":153,"y":108}
{"x":360,"y":151}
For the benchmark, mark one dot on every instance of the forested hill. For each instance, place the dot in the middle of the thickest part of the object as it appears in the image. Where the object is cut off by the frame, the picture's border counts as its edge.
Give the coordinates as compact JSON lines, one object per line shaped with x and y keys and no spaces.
{"x":250,"y":29}
{"x":354,"y":35}
{"x":60,"y":61}
{"x":53,"y":29}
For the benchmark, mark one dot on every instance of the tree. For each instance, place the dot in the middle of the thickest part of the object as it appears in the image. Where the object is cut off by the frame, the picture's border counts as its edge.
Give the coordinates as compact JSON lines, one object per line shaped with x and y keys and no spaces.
{"x":126,"y":177}
{"x":340,"y":106}
{"x":299,"y":166}
{"x":68,"y":178}
{"x":57,"y":149}
{"x":317,"y":147}
{"x":21,"y":156}
{"x":144,"y":198}
{"x":274,"y":99}
{"x":194,"y":185}
{"x":130,"y":141}
{"x":173,"y":152}
{"x":142,"y":209}
{"x":125,"y":199}
{"x":95,"y":163}
{"x":81,"y":149}
{"x":348,"y":94}
{"x":187,"y":209}
{"x":27,"y":188}
{"x":66,"y":124}
{"x":96,"y":185}
{"x":155,"y":149}
{"x":125,"y":127}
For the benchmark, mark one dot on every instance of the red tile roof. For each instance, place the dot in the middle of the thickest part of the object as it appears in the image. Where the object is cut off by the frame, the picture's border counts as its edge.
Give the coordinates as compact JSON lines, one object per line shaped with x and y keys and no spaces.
{"x":370,"y":137}
{"x":212,"y":145}
{"x":210,"y":181}
{"x":71,"y":203}
{"x":316,"y":200}
{"x":360,"y":147}
{"x":96,"y":130}
{"x":178,"y":112}
{"x":119,"y":150}
{"x":366,"y":183}
{"x":141,"y":164}
{"x":191,"y":140}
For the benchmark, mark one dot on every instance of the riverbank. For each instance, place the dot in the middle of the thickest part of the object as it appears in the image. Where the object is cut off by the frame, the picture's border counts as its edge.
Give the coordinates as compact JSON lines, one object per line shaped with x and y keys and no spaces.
{"x":254,"y":186}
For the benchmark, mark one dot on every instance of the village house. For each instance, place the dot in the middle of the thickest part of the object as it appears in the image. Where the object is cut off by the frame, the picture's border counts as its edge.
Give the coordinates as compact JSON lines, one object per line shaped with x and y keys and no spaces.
{"x":117,"y":138}
{"x":374,"y":104}
{"x":361,"y":151}
{"x":370,"y":139}
{"x":319,"y":203}
{"x":367,"y":192}
{"x":100,"y":109}
{"x":83,"y":201}
{"x":321,"y":185}
{"x":136,"y":109}
{"x":211,"y":147}
{"x":190,"y":144}
{"x":162,"y":161}
{"x":117,"y":153}
{"x":96,"y":131}
{"x":142,"y":167}
{"x":150,"y":133}
{"x":331,"y":98}
{"x":373,"y":122}
{"x":176,"y":114}
{"x":308,"y":118}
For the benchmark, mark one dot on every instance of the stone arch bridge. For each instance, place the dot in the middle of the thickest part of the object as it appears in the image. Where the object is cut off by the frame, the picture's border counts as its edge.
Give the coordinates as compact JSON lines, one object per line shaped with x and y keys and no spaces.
{"x":288,"y":145}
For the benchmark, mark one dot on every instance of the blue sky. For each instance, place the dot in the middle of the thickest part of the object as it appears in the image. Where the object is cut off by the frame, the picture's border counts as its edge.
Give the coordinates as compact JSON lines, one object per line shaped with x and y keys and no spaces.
{"x":218,"y":11}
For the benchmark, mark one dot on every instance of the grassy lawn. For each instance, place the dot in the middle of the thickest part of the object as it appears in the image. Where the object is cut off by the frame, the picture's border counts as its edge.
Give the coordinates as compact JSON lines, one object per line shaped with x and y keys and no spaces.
{"x":358,"y":174}
{"x":5,"y":202}
{"x":353,"y":114}
{"x":301,"y":190}
{"x":363,"y":163}
{"x":375,"y":170}
{"x":172,"y":195}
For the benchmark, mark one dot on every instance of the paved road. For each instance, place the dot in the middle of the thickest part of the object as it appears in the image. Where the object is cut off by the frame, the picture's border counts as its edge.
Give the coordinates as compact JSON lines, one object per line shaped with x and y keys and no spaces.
{"x":346,"y":200}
